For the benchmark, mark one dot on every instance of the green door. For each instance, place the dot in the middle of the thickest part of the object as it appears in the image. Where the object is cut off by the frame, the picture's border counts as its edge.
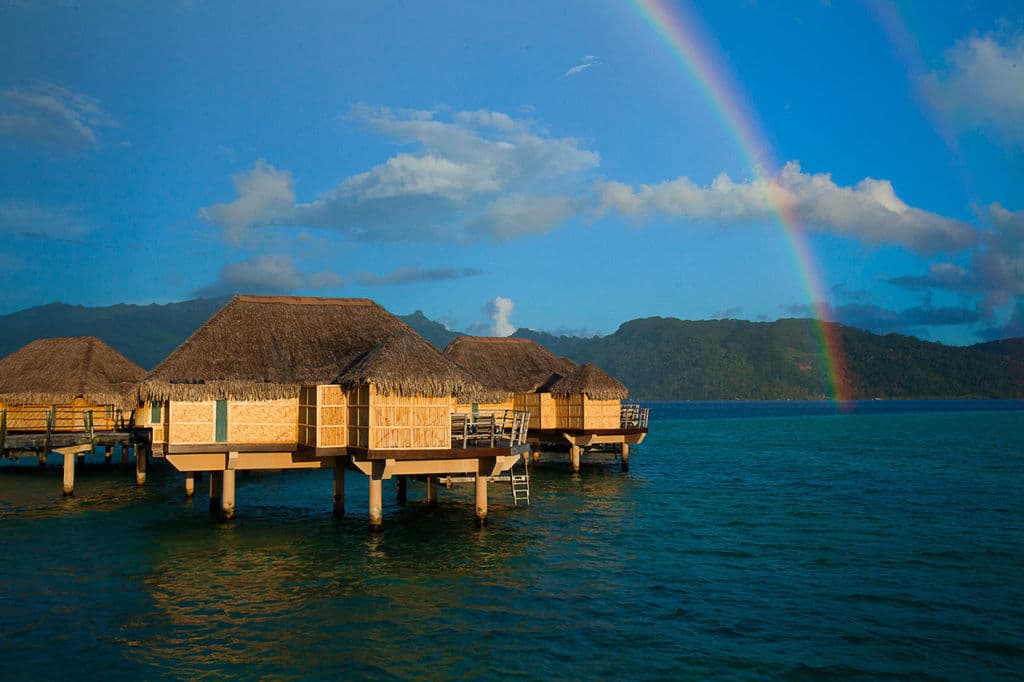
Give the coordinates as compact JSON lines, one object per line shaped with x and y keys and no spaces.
{"x":222,"y":421}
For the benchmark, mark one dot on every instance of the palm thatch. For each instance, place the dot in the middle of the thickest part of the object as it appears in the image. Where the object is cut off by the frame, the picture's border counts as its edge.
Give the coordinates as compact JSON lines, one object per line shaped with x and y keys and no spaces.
{"x":407,"y":364}
{"x":592,"y":382}
{"x":56,"y":371}
{"x":268,"y":347}
{"x":509,"y":365}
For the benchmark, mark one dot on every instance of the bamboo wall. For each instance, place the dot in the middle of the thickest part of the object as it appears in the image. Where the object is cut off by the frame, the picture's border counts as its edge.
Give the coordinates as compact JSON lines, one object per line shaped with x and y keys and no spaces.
{"x":263,"y":421}
{"x":541,"y":407}
{"x":484,"y":408}
{"x":190,"y":422}
{"x":417,"y":422}
{"x":602,"y":414}
{"x":332,"y":413}
{"x":249,"y":421}
{"x":580,"y":412}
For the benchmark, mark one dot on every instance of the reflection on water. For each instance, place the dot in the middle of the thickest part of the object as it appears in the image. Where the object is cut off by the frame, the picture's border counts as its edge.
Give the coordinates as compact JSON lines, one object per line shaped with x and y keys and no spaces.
{"x":823,"y":545}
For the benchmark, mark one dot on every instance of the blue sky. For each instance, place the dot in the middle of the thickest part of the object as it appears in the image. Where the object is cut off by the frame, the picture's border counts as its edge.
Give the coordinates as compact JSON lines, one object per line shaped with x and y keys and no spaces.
{"x":535,"y":164}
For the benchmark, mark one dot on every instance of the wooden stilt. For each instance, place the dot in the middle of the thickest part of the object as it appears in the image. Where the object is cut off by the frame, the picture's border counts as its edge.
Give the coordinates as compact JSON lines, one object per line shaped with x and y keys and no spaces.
{"x":108,"y":454}
{"x":432,"y":490}
{"x":41,"y":454}
{"x":401,"y":490}
{"x":227,"y":500}
{"x":339,"y":487}
{"x":483,"y":469}
{"x":625,"y":456}
{"x":215,"y":486}
{"x":140,"y":465}
{"x":81,"y":458}
{"x":536,"y":454}
{"x":574,"y":457}
{"x":376,"y":503}
{"x":124,"y":453}
{"x":190,"y":484}
{"x":69,"y":475}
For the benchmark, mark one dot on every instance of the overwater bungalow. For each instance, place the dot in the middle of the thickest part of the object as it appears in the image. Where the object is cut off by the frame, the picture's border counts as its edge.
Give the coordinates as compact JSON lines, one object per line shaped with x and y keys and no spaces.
{"x":283,"y":382}
{"x":577,"y":406}
{"x":67,"y":395}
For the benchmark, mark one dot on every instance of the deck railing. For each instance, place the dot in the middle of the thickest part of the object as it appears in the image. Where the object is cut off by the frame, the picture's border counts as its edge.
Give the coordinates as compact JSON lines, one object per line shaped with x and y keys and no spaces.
{"x":62,"y":419}
{"x":490,"y":428}
{"x":634,"y":416}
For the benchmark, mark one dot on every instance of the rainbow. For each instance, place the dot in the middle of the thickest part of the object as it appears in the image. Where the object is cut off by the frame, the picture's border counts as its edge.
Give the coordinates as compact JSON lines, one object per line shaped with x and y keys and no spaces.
{"x":681,"y":32}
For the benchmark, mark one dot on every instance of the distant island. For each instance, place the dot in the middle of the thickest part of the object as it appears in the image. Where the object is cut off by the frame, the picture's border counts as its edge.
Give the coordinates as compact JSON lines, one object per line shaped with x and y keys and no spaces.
{"x":658,"y":358}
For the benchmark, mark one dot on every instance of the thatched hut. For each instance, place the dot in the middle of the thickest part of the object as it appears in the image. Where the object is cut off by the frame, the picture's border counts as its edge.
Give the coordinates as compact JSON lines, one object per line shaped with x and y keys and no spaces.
{"x":66,"y":384}
{"x":296,"y":382}
{"x":580,"y":406}
{"x":588,"y":398}
{"x":519,"y":372}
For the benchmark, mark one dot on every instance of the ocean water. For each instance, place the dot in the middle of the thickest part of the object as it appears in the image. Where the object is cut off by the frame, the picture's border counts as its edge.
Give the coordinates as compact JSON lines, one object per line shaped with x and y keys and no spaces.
{"x":747,"y":541}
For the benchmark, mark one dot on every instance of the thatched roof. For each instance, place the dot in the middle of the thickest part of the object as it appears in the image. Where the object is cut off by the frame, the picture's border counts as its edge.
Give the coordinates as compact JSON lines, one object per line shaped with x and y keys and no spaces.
{"x":592,"y":382}
{"x":509,"y":365}
{"x":267,"y":347}
{"x":407,"y":364}
{"x":56,"y":371}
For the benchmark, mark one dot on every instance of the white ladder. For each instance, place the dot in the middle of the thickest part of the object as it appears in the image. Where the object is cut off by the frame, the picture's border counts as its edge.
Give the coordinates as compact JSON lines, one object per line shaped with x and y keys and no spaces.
{"x":520,"y":482}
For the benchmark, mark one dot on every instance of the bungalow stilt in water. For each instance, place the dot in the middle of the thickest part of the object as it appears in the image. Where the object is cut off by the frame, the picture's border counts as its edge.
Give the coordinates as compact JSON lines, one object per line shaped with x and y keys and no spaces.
{"x":577,"y":406}
{"x":282,"y":382}
{"x":66,"y":395}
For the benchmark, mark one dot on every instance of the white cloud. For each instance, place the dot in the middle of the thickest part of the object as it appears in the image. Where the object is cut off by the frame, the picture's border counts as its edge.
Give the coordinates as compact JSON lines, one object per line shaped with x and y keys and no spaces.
{"x":35,"y":221}
{"x":460,"y":184}
{"x":52,"y":117}
{"x":585,"y":63}
{"x":982,"y":84}
{"x":264,"y":193}
{"x":499,"y":311}
{"x":869,"y":211}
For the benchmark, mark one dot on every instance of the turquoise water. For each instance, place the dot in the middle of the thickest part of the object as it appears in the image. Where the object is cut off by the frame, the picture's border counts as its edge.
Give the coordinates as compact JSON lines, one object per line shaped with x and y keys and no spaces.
{"x":748,"y":540}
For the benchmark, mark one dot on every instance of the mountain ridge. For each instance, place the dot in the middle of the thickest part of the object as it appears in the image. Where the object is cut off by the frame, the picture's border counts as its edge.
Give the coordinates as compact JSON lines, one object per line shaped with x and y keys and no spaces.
{"x":658,"y":358}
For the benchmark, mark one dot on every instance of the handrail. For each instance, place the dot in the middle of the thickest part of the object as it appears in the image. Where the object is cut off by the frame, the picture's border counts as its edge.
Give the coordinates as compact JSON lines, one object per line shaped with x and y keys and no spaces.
{"x":490,"y":426}
{"x":633,"y":416}
{"x":62,"y":419}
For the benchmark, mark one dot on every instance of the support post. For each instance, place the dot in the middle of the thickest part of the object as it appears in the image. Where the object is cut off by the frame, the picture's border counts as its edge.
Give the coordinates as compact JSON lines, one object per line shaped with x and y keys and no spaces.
{"x":482,"y":472}
{"x":432,"y":490}
{"x":41,"y":454}
{"x":574,"y":457}
{"x":401,"y":489}
{"x":140,"y":465}
{"x":69,"y":475}
{"x":215,"y":486}
{"x":625,"y":456}
{"x":227,"y":500}
{"x":81,"y":458}
{"x":190,"y":484}
{"x":124,"y":453}
{"x":376,"y":503}
{"x":108,"y":454}
{"x":339,"y":487}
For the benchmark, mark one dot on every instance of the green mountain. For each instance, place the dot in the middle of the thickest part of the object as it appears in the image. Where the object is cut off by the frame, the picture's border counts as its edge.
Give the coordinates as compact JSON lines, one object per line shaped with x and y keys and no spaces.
{"x":658,"y":358}
{"x":670,"y":359}
{"x":145,"y":334}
